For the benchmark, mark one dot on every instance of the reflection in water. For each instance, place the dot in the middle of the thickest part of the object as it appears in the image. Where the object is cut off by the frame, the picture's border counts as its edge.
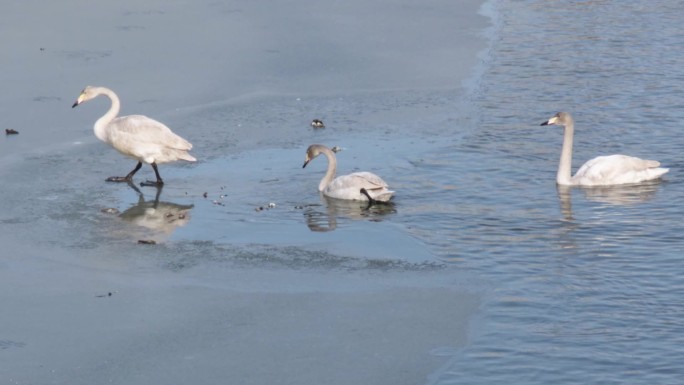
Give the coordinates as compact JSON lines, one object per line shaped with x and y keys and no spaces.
{"x":326,"y":220}
{"x":565,"y":201}
{"x":615,"y":195}
{"x":622,"y":195}
{"x":160,"y":217}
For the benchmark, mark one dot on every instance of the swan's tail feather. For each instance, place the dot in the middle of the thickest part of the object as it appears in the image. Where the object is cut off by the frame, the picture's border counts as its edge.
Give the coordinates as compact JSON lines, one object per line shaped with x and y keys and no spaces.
{"x":658,"y":172}
{"x":188,"y":157}
{"x":377,"y":195}
{"x":383,"y":196}
{"x":652,"y":164}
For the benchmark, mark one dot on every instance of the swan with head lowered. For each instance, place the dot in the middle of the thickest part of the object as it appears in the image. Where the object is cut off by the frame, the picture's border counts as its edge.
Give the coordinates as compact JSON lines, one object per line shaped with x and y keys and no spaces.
{"x":602,"y":170}
{"x":136,"y":136}
{"x":358,"y":186}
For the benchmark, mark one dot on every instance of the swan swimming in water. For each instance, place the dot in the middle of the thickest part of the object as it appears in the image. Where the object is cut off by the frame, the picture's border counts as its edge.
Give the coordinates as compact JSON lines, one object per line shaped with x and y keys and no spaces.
{"x":602,"y":170}
{"x":136,"y":136}
{"x":359,"y":186}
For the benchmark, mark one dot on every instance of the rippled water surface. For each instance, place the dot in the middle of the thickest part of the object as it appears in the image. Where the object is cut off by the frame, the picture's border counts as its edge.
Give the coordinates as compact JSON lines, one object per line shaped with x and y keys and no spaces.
{"x":586,"y":284}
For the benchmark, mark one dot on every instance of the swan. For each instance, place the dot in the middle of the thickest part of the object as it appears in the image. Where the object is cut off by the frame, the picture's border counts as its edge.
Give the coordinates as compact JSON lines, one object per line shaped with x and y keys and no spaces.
{"x":136,"y":136}
{"x":602,"y":170}
{"x":358,"y":186}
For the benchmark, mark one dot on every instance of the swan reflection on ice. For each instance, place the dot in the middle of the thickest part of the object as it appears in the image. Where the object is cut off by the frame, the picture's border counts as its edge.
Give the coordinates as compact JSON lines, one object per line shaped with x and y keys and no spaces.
{"x":162,"y":218}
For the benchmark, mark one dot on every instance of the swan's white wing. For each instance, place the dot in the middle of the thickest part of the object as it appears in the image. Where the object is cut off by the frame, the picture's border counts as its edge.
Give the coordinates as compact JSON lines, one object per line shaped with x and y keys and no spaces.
{"x":369,"y":179}
{"x":617,"y":169}
{"x":140,"y":128}
{"x":146,"y":139}
{"x":349,"y":187}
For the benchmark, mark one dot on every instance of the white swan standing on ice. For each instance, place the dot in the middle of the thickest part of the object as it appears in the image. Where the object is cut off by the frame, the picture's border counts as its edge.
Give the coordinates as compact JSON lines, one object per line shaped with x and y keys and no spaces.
{"x":136,"y":136}
{"x":602,"y":170}
{"x":358,"y":186}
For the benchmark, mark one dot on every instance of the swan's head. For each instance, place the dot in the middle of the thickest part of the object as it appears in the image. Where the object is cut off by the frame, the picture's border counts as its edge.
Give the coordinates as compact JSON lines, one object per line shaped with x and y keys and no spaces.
{"x":313,"y":151}
{"x":87,"y":94}
{"x":560,"y":119}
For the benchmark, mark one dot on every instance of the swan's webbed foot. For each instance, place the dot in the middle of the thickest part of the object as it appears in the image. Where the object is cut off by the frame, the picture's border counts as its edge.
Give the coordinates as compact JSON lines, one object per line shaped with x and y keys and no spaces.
{"x":158,"y":183}
{"x":128,"y":178}
{"x":118,"y":179}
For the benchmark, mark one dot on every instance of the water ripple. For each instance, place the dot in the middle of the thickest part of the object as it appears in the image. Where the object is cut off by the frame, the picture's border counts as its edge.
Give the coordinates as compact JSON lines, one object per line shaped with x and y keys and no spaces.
{"x":586,"y":282}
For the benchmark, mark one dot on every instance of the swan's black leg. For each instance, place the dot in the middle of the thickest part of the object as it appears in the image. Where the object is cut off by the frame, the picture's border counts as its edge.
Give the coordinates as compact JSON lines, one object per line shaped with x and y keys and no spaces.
{"x":371,"y":201}
{"x":159,"y":181}
{"x":126,"y":178}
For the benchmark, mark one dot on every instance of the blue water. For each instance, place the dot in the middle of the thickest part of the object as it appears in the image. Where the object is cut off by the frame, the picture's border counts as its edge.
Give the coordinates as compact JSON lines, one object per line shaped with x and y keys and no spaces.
{"x":586,"y":284}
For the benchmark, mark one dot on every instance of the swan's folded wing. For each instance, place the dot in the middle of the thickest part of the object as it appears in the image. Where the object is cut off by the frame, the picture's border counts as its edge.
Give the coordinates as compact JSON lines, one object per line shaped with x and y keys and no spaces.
{"x":356,"y":182}
{"x":618,"y":169}
{"x":144,"y":131}
{"x":349,"y":187}
{"x":369,"y":180}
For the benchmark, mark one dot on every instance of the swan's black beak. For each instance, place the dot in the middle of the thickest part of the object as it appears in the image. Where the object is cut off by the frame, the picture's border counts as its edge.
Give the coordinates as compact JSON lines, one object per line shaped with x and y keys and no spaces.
{"x":81,"y":99}
{"x":307,"y":159}
{"x":553,"y":120}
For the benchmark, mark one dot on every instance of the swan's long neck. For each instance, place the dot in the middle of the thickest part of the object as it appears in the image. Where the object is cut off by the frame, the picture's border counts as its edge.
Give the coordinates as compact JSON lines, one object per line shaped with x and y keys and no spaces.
{"x":102,"y":123}
{"x":332,"y":168}
{"x":563,"y":176}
